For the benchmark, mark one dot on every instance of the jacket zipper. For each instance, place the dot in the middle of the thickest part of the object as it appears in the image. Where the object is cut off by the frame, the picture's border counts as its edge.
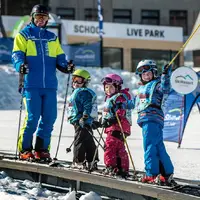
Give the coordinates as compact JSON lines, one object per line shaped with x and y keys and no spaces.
{"x":42,"y":59}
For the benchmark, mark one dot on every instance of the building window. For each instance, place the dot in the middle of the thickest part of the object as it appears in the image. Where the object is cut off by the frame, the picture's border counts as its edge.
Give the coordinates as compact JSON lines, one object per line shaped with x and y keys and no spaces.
{"x":162,"y":57}
{"x":122,"y":16}
{"x":151,"y":17}
{"x":19,"y":7}
{"x":113,"y":57}
{"x":66,"y":13}
{"x":179,"y":18}
{"x":91,"y":14}
{"x":196,"y":58}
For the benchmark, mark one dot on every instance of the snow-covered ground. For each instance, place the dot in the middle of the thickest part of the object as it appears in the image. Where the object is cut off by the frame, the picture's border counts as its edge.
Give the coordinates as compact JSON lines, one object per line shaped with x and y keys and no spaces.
{"x":9,"y":83}
{"x":185,"y":159}
{"x":11,"y":189}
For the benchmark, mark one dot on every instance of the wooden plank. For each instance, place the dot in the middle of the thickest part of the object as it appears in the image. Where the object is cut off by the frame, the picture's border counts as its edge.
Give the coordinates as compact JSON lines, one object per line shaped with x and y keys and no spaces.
{"x":129,"y":186}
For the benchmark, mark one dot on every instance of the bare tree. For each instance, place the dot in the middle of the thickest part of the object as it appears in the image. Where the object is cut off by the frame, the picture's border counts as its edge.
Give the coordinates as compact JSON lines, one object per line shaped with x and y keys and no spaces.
{"x":2,"y":29}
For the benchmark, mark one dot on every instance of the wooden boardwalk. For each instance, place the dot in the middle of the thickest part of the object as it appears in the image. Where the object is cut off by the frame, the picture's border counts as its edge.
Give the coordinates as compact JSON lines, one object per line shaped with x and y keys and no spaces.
{"x":86,"y":182}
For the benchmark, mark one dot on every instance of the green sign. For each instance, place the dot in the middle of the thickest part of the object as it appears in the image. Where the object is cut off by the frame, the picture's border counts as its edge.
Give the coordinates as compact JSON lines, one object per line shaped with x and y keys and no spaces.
{"x":20,"y":24}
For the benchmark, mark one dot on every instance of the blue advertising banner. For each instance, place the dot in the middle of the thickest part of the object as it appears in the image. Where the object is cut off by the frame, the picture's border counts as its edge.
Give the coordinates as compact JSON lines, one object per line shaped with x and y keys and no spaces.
{"x":191,"y":99}
{"x":174,"y":117}
{"x":6,"y":45}
{"x":84,"y":55}
{"x":198,"y":104}
{"x":177,"y":110}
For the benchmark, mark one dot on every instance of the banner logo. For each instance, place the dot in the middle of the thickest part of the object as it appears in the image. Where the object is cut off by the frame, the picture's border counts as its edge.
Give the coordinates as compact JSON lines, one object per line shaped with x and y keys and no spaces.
{"x":4,"y":51}
{"x":85,"y":54}
{"x":184,"y":80}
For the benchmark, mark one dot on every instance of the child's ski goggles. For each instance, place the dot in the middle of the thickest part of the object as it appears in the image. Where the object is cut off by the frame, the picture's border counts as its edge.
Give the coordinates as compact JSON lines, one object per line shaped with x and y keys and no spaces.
{"x":111,"y":81}
{"x":78,"y":80}
{"x":144,"y":68}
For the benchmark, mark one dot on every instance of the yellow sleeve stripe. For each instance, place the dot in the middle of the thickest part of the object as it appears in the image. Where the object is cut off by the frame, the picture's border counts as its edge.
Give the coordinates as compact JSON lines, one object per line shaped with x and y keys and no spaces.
{"x":59,"y":49}
{"x":20,"y":43}
{"x":54,"y":48}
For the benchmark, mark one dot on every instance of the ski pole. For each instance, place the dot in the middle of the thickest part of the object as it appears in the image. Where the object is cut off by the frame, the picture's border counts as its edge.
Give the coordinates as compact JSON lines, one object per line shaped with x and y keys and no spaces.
{"x":21,"y":90}
{"x":75,"y":139}
{"x":184,"y":45}
{"x":69,"y":148}
{"x":61,"y":126}
{"x":100,"y":135}
{"x":123,"y":135}
{"x":95,"y":138}
{"x":96,"y":150}
{"x":125,"y":141}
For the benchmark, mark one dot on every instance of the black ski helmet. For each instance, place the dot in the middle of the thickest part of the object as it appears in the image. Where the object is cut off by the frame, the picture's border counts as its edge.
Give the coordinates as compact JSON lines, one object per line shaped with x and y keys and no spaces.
{"x":39,"y":9}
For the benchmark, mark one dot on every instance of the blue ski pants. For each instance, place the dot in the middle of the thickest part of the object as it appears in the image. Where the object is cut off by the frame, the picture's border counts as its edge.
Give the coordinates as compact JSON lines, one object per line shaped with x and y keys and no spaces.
{"x":41,"y":113}
{"x":154,"y":150}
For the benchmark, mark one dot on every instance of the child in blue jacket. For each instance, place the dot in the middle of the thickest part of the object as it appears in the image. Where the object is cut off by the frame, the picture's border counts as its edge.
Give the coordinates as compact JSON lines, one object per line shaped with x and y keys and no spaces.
{"x":82,"y":111}
{"x":148,"y":103}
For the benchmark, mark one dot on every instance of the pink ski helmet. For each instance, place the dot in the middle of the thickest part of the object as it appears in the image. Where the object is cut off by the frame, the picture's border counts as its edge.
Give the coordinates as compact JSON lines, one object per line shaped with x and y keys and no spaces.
{"x":112,"y":79}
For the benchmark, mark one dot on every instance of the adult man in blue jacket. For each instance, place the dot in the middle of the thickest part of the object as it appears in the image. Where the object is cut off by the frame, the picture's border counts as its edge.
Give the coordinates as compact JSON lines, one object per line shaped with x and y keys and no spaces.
{"x":36,"y":55}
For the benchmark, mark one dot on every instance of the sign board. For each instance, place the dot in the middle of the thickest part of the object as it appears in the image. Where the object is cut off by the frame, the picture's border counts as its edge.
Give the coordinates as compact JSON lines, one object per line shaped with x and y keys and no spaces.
{"x":184,"y":80}
{"x":84,"y":54}
{"x":6,"y":46}
{"x":125,"y":31}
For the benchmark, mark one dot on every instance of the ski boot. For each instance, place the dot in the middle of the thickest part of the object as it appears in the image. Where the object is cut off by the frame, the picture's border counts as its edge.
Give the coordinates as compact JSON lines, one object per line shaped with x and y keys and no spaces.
{"x":165,"y":180}
{"x":111,"y":171}
{"x":78,"y":165}
{"x":26,"y":155}
{"x":92,"y":166}
{"x":148,"y":179}
{"x":122,"y":173}
{"x":42,"y":156}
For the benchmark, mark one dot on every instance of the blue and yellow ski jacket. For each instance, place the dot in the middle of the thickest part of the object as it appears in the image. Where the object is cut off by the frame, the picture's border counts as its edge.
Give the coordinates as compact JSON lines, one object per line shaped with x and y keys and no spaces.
{"x":41,"y":51}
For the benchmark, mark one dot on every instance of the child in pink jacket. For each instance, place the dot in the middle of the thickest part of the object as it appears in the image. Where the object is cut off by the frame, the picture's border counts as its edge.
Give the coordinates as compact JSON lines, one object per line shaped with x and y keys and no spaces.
{"x":115,"y":155}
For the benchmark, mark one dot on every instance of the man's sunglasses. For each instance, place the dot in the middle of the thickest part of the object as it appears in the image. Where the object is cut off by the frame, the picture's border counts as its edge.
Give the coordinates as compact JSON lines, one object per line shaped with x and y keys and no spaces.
{"x":39,"y":16}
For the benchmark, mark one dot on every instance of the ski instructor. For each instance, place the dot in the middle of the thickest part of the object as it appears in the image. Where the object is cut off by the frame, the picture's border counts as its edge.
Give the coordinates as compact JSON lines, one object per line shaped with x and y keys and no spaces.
{"x":36,"y":55}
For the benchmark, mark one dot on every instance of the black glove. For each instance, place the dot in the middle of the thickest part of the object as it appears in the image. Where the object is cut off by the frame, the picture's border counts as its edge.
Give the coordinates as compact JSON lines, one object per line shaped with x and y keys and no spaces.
{"x":166,"y":69}
{"x":82,"y":121}
{"x":23,"y":69}
{"x":118,"y":105}
{"x":70,"y":67}
{"x":109,"y":122}
{"x":96,"y":125}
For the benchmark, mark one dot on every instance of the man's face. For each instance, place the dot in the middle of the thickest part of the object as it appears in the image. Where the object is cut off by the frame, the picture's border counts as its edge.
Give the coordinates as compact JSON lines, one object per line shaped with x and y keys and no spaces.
{"x":40,"y":20}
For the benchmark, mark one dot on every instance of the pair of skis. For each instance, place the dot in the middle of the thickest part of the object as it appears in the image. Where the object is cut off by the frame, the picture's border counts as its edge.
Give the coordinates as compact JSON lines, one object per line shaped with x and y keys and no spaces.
{"x":136,"y":177}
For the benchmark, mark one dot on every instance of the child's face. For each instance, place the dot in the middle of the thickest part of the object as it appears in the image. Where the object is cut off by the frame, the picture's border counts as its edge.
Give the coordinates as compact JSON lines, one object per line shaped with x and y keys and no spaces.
{"x":77,"y":82}
{"x":147,"y":76}
{"x":109,"y":89}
